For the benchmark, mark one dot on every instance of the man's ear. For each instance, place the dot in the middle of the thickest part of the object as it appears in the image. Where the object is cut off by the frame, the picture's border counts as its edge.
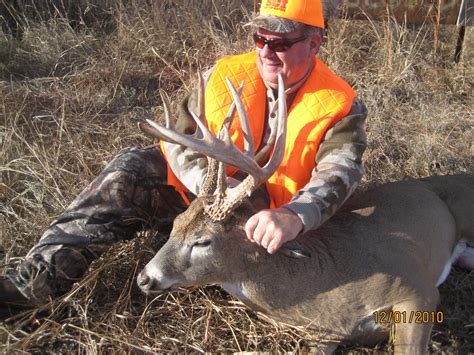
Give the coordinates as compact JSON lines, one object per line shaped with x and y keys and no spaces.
{"x":315,"y":43}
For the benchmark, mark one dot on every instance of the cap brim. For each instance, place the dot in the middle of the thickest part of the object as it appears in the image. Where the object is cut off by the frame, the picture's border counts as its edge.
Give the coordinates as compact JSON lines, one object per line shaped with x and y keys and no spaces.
{"x":275,"y":24}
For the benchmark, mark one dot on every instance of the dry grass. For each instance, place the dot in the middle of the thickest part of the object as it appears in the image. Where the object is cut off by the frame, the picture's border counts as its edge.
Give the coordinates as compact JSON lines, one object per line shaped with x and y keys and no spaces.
{"x":71,"y":94}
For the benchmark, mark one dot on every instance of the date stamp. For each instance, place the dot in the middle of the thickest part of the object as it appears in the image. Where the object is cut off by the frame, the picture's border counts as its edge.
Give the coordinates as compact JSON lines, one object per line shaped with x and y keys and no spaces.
{"x":416,"y":317}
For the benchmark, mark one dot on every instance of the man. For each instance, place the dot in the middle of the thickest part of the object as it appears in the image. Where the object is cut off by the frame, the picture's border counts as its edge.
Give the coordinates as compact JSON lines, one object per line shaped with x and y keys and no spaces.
{"x":321,"y":168}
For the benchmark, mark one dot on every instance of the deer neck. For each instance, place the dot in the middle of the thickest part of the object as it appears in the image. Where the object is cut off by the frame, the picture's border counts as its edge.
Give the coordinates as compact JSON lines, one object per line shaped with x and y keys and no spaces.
{"x":259,"y":276}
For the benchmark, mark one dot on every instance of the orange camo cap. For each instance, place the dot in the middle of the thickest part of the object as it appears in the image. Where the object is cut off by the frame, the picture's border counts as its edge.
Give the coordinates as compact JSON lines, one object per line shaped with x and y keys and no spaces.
{"x":309,"y":12}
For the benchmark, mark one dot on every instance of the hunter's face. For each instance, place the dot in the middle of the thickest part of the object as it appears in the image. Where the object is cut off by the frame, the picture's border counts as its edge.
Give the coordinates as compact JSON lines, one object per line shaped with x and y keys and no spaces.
{"x":293,"y":63}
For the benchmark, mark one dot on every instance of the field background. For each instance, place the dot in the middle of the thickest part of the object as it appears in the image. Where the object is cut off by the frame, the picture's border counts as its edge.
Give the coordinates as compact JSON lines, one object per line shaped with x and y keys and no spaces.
{"x":76,"y":78}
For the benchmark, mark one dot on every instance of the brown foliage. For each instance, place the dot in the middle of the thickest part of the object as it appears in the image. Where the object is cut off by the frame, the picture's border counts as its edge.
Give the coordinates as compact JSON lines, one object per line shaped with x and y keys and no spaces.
{"x":71,"y":94}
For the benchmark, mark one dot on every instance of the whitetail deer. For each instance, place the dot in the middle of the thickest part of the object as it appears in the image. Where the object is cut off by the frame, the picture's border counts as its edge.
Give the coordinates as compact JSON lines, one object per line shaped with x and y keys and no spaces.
{"x":377,"y":262}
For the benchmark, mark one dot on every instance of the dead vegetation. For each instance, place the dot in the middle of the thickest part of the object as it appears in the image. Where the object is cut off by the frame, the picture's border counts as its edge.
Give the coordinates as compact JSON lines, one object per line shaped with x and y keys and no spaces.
{"x":72,"y":88}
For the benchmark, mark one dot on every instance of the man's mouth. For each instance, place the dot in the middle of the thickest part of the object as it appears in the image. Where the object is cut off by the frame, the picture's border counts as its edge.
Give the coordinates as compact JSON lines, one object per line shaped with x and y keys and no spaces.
{"x":272,"y":64}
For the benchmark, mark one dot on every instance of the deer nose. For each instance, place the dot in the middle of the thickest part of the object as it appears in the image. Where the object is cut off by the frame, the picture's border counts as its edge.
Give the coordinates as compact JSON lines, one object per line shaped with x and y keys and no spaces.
{"x":144,"y":281}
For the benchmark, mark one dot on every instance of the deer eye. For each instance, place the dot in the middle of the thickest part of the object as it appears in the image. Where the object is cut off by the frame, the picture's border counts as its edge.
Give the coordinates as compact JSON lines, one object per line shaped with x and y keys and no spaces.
{"x":202,"y":243}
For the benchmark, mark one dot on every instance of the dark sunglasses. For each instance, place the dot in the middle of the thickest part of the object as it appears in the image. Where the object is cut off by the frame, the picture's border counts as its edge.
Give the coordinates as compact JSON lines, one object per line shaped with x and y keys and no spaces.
{"x":276,"y":45}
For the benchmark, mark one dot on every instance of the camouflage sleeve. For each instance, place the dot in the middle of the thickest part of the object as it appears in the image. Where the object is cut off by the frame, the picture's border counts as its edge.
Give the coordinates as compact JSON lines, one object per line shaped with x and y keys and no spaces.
{"x":189,"y":166}
{"x":338,"y":173}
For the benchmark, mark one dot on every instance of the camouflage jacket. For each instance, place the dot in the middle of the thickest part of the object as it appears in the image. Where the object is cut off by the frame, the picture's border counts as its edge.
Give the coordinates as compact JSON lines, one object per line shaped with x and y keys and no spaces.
{"x":338,"y":171}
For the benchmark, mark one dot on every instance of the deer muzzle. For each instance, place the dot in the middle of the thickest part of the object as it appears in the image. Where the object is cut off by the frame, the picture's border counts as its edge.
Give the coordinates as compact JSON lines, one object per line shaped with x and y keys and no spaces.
{"x":151,"y":280}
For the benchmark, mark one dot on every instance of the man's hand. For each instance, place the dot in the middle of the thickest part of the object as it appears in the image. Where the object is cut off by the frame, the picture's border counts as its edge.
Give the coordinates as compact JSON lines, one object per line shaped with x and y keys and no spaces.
{"x":271,"y":228}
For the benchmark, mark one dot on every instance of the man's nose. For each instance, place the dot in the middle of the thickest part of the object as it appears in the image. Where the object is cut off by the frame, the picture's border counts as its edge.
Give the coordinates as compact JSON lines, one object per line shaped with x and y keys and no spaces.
{"x":267,"y":52}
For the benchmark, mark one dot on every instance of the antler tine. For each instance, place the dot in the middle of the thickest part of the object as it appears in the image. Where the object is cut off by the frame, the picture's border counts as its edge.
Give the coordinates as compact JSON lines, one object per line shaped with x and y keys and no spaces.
{"x":166,"y":107}
{"x":200,"y":104}
{"x":210,"y":182}
{"x":201,"y":127}
{"x":221,"y":179}
{"x":229,"y":118}
{"x":214,"y":169}
{"x":279,"y":150}
{"x":248,"y":138}
{"x":216,"y":181}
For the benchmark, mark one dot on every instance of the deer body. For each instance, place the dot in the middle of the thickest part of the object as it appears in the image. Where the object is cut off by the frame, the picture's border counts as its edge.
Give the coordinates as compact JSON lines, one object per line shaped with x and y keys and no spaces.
{"x":387,"y":251}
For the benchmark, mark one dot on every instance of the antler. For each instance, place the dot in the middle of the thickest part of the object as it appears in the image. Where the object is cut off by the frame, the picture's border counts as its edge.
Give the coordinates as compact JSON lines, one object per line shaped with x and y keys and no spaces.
{"x":224,"y":151}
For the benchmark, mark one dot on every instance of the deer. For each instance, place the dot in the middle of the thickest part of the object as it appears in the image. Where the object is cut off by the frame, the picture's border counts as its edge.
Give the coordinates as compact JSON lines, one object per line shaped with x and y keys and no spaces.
{"x":376,"y":264}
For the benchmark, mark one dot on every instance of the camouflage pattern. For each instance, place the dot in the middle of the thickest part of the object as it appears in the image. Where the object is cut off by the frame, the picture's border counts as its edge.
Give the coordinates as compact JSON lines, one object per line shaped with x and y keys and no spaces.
{"x":338,"y":172}
{"x":128,"y":195}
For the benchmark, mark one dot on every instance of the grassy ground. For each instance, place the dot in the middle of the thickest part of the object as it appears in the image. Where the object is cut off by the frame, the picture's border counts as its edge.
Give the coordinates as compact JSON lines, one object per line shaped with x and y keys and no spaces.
{"x":71,"y":93}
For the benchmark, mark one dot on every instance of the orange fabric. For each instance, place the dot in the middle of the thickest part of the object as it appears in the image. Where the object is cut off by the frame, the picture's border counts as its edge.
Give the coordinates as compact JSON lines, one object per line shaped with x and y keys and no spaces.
{"x":321,"y":102}
{"x":238,"y":69}
{"x":309,"y":12}
{"x":172,"y":180}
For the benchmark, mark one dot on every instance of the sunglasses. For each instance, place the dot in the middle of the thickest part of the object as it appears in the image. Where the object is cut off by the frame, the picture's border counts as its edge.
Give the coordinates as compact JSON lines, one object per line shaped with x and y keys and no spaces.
{"x":276,"y":45}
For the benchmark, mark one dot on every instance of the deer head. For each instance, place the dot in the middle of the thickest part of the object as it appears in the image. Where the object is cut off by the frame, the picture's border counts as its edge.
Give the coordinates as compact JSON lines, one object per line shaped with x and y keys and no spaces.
{"x":210,"y":231}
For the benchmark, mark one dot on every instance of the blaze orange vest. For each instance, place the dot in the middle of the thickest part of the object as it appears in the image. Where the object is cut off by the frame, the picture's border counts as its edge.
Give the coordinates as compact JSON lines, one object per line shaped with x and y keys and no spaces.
{"x":322,"y":101}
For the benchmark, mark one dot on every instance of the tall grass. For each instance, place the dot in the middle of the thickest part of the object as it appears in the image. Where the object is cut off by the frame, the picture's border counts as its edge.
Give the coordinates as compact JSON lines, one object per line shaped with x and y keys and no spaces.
{"x":72,"y":89}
